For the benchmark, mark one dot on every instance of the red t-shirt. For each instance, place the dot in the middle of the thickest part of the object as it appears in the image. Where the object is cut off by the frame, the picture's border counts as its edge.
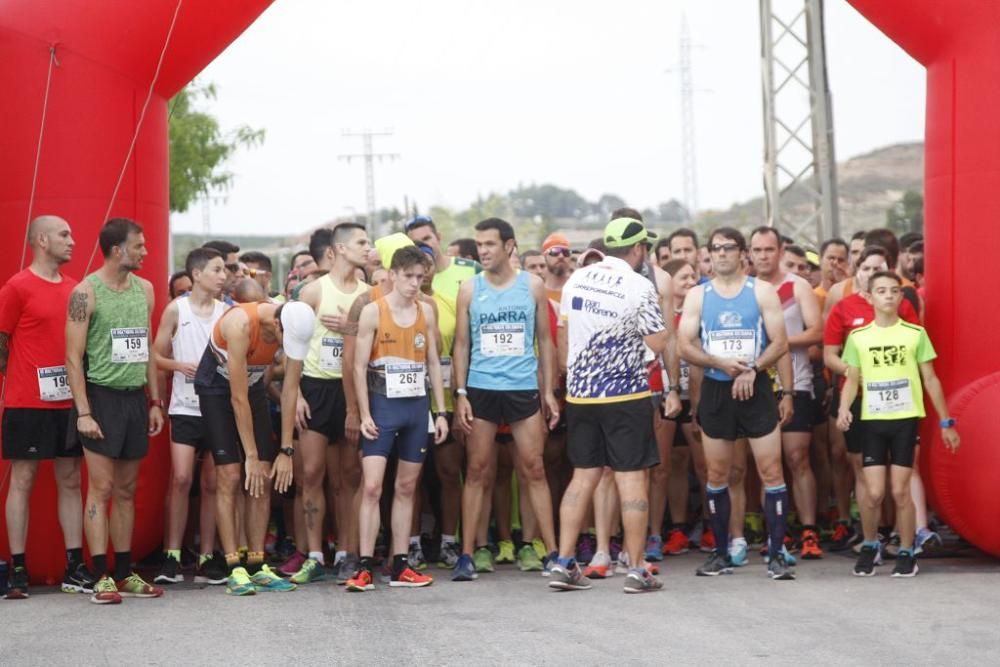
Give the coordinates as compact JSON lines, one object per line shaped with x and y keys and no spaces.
{"x":33,"y":314}
{"x":852,"y":312}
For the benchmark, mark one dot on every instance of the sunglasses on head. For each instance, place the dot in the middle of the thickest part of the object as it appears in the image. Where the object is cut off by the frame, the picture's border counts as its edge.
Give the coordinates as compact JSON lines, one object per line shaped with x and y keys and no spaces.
{"x":559,"y":252}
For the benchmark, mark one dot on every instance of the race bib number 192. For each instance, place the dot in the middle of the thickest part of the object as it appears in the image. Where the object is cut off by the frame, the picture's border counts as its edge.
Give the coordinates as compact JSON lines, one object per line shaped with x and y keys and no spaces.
{"x":502,"y":340}
{"x":129,"y":345}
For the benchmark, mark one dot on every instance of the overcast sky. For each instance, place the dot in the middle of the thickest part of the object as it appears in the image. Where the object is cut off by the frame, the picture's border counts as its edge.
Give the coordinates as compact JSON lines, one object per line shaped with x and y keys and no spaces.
{"x":483,"y":96}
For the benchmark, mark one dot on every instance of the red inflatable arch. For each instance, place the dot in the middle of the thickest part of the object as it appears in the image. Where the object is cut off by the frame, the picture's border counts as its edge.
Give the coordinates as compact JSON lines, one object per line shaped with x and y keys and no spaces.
{"x":77,"y":74}
{"x":957,"y":42}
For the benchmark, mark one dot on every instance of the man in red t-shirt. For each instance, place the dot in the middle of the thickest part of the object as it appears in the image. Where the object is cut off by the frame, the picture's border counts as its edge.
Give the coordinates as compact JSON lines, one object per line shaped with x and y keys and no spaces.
{"x":845,"y":316}
{"x":37,"y":401}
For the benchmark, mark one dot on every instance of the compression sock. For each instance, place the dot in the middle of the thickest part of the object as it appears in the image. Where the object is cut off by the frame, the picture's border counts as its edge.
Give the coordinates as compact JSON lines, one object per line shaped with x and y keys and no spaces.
{"x":719,"y":509}
{"x":123,"y":565}
{"x":775,"y":504}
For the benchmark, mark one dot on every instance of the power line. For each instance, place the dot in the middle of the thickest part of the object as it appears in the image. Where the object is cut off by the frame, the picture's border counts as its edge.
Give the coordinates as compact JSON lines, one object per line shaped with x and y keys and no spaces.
{"x":369,"y":156}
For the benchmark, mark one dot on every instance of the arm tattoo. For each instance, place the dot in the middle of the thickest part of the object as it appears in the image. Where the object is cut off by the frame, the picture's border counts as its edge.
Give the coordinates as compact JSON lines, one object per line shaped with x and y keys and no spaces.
{"x":638,"y":505}
{"x":78,"y":307}
{"x":354,"y":314}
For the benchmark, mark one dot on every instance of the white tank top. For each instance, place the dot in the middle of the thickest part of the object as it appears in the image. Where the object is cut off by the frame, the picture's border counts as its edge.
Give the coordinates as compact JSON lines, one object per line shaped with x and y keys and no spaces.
{"x":795,"y":325}
{"x":189,"y":342}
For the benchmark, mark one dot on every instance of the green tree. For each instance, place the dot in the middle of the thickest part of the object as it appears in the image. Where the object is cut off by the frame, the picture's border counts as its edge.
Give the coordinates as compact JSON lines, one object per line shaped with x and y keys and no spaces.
{"x":906,"y":215}
{"x":199,"y":147}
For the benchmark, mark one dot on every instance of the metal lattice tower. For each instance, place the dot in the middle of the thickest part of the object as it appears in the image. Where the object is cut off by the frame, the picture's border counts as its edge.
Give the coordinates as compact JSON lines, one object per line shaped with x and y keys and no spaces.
{"x":800,"y":180}
{"x":369,"y":156}
{"x":689,"y":166}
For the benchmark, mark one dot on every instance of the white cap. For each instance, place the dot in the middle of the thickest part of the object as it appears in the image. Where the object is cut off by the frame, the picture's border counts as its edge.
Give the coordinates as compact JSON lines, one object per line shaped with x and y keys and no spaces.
{"x":298,"y":322}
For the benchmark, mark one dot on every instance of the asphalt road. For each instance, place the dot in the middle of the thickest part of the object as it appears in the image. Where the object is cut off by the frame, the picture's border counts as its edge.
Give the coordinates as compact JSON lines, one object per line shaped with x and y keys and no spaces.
{"x":946,"y":615}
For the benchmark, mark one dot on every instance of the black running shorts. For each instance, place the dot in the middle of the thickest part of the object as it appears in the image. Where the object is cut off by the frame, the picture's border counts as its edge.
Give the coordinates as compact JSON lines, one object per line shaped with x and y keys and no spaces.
{"x":123,"y":416}
{"x":327,"y":407}
{"x":617,"y":435}
{"x":37,"y":434}
{"x":188,"y":430}
{"x":503,"y":407}
{"x":724,"y":418}
{"x":889,"y":442}
{"x":804,"y":408}
{"x":224,"y":438}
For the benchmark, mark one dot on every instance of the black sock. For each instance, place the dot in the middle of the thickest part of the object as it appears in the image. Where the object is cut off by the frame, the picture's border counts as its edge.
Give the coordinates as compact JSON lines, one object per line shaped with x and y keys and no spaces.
{"x":17,"y":560}
{"x":123,"y":564}
{"x":719,"y":508}
{"x":399,"y":563}
{"x":74,"y":556}
{"x":368,"y":563}
{"x":775,"y":503}
{"x":100,"y":565}
{"x":253,"y":566}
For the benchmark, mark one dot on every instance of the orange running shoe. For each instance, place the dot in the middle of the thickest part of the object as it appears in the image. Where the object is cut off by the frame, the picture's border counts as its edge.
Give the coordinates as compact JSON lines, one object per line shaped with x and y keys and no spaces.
{"x":707,"y":542}
{"x":677,"y":543}
{"x":811,"y":549}
{"x":599,"y":567}
{"x":362,"y":581}
{"x":410,"y":579}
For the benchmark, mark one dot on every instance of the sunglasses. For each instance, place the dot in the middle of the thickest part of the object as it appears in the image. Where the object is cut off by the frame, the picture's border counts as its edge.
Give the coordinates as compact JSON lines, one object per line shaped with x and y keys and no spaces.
{"x":723,"y":247}
{"x":559,"y":252}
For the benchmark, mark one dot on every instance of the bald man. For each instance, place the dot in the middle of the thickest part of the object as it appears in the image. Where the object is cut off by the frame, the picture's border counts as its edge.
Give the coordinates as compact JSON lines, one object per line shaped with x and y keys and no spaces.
{"x":33,"y":307}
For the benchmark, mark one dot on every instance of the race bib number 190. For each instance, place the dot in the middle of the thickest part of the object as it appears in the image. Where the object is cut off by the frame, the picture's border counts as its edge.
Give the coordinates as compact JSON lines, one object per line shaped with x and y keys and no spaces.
{"x":502,"y":340}
{"x":404,"y":380}
{"x":53,"y":384}
{"x":129,"y":345}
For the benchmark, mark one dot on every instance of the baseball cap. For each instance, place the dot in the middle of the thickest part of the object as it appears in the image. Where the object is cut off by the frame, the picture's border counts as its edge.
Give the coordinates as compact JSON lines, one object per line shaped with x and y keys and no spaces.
{"x":625,"y":232}
{"x":555,"y":240}
{"x":297,"y":323}
{"x":387,"y":246}
{"x":587,"y":254}
{"x":812,"y":258}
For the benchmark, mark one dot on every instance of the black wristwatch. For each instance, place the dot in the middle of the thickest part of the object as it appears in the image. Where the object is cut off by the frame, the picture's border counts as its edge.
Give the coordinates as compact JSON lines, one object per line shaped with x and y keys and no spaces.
{"x":755,"y":368}
{"x":288,"y":451}
{"x":441,"y":414}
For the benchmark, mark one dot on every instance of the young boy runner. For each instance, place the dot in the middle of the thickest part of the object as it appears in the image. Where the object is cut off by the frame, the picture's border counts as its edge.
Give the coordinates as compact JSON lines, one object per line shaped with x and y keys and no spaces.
{"x":892,"y":357}
{"x":395,"y":351}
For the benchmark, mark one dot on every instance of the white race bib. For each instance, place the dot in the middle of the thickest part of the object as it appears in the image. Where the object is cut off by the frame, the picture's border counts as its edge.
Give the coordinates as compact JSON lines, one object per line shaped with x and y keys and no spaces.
{"x":331,"y":354}
{"x":405,"y":380}
{"x":886,"y":398}
{"x":502,"y":340}
{"x":685,"y":378}
{"x":53,"y":384}
{"x":732,"y":343}
{"x":255,"y":374}
{"x":186,"y":394}
{"x":446,"y":372}
{"x":129,"y":345}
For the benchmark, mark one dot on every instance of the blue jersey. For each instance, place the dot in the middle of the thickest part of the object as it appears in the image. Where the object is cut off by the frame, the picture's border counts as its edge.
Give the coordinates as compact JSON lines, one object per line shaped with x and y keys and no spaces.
{"x":731,"y":328}
{"x":502,"y":324}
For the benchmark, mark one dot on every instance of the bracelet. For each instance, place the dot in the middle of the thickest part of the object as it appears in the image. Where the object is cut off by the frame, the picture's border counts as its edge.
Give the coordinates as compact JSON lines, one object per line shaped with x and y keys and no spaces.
{"x":85,"y":414}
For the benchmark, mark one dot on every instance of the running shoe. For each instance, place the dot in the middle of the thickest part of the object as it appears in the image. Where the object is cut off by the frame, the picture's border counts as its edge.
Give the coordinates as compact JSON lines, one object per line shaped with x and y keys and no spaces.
{"x":17,"y":589}
{"x":348,"y":567}
{"x":133,"y":586}
{"x":266,"y":581}
{"x":415,"y":557}
{"x":483,"y":559}
{"x":599,"y":567}
{"x":906,"y":565}
{"x":927,"y":541}
{"x":361,"y":582}
{"x":654,"y":548}
{"x":842,"y":535}
{"x":865,"y":565}
{"x":738,"y":551}
{"x":677,"y":543}
{"x":714,"y":566}
{"x":641,"y":581}
{"x":616,"y":548}
{"x":270,"y":543}
{"x":238,"y":583}
{"x":449,"y":555}
{"x":505,"y":553}
{"x":622,"y":565}
{"x":408,"y":578}
{"x":308,"y":573}
{"x":586,"y":545}
{"x":550,"y":562}
{"x":528,"y":560}
{"x":539,"y":546}
{"x":213,"y":571}
{"x":765,"y":553}
{"x":810,"y":549}
{"x":293,"y":564}
{"x":78,"y":579}
{"x":105,"y":592}
{"x":170,"y":572}
{"x":779,"y":570}
{"x":568,"y":577}
{"x":465,"y":569}
{"x":706,"y":544}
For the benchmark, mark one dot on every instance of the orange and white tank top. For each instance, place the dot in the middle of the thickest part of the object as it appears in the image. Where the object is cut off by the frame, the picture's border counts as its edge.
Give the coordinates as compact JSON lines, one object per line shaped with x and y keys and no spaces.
{"x":398,"y":363}
{"x":260,"y":353}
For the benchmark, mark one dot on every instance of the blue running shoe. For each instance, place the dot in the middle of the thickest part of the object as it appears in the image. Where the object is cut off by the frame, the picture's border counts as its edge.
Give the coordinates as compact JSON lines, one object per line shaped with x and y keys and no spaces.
{"x":464,"y":570}
{"x":738,"y":549}
{"x":654,"y":548}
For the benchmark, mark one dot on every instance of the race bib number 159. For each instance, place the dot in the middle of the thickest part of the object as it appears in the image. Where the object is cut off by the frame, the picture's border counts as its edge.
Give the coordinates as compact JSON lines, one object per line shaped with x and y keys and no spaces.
{"x":129,"y":345}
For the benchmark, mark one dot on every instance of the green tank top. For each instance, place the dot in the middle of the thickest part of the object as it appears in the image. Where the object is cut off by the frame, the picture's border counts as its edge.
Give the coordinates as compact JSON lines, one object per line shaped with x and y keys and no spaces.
{"x":118,"y":336}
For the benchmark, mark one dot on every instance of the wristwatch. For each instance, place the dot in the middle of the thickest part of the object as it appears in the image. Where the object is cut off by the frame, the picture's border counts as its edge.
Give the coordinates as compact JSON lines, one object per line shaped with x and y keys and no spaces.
{"x":156,"y":403}
{"x":288,"y":451}
{"x":948,"y":423}
{"x":461,"y":391}
{"x":755,"y":368}
{"x":443,"y":415}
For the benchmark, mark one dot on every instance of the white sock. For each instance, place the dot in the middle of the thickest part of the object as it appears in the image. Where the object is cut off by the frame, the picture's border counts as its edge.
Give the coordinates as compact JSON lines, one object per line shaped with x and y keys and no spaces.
{"x":317,"y":556}
{"x":415,"y":541}
{"x":339,"y":556}
{"x":447,"y":539}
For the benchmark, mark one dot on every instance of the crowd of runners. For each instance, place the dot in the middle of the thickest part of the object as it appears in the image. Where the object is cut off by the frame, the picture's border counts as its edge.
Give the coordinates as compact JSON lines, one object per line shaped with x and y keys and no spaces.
{"x":404,"y":404}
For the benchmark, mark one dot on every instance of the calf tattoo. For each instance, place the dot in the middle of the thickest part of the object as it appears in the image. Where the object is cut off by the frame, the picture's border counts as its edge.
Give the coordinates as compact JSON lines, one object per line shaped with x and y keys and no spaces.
{"x":638,"y":505}
{"x":310,"y":510}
